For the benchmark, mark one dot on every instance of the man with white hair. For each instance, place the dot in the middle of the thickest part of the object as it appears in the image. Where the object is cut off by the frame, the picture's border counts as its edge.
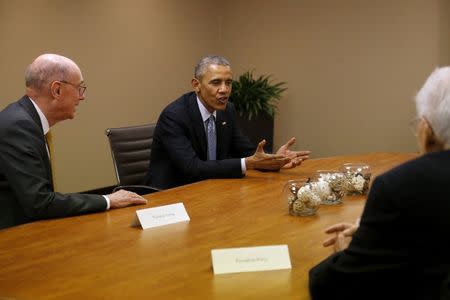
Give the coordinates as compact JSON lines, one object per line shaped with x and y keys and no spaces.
{"x":54,"y":87}
{"x":400,"y":248}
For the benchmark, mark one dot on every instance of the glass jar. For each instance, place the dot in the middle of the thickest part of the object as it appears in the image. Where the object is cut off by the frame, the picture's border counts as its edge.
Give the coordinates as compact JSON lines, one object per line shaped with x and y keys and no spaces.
{"x":358,"y":178}
{"x":330,"y":185}
{"x":302,"y":201}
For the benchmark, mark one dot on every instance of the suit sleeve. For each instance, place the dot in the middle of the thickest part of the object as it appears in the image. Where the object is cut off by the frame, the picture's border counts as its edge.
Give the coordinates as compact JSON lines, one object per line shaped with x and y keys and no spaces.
{"x":375,"y":254}
{"x":23,"y":163}
{"x":174,"y":138}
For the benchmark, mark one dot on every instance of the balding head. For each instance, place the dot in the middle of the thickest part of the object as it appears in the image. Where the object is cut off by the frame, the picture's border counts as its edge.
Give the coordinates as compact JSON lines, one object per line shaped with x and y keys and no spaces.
{"x":56,"y":85}
{"x":47,"y":68}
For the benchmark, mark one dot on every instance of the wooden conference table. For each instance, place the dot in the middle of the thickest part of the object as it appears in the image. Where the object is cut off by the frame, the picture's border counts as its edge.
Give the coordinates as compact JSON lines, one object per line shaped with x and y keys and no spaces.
{"x":100,"y":256}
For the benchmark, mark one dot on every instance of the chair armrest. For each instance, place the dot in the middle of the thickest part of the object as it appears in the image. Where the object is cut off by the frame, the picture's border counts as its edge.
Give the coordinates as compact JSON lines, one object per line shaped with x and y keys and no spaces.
{"x":138,"y":189}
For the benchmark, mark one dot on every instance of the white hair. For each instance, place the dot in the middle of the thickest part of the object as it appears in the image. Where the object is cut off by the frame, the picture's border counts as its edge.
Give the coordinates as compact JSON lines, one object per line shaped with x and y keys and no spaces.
{"x":433,"y":103}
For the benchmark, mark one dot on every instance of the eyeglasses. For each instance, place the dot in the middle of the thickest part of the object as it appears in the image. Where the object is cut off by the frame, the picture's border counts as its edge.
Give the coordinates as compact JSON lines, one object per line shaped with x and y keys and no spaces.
{"x":81,"y":87}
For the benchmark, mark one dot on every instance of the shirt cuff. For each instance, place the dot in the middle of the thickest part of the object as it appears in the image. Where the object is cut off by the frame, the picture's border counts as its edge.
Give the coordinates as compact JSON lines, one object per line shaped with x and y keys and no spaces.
{"x":108,"y":205}
{"x":243,"y":168}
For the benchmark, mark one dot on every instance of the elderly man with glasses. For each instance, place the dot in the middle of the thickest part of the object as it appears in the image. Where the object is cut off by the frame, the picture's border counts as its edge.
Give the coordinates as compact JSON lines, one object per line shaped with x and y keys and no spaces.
{"x":54,"y":88}
{"x":400,"y":248}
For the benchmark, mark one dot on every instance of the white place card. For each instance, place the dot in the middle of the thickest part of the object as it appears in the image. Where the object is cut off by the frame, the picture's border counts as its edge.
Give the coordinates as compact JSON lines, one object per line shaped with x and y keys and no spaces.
{"x":161,"y":215}
{"x":250,"y":259}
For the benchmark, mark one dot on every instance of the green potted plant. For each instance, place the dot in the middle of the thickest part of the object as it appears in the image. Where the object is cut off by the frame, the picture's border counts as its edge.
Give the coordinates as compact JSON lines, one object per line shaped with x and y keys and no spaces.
{"x":255,"y":101}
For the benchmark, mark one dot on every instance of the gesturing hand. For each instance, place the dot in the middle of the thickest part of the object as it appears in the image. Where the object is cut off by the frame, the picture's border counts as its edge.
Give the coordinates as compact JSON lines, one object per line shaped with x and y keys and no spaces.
{"x":296,"y":157}
{"x":264,"y":161}
{"x":342,"y":237}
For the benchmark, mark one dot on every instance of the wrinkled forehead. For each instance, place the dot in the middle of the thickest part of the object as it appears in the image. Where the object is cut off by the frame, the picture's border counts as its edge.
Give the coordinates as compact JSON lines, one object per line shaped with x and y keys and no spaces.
{"x":218,"y":71}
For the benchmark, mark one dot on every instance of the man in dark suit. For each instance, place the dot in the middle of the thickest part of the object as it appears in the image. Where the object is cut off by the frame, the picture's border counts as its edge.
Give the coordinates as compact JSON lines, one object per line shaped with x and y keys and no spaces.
{"x":54,"y":87}
{"x":196,"y":136}
{"x":400,"y":248}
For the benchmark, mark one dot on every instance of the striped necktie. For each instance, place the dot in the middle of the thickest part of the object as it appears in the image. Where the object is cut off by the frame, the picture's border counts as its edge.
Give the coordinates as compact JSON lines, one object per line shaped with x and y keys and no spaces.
{"x":211,"y":136}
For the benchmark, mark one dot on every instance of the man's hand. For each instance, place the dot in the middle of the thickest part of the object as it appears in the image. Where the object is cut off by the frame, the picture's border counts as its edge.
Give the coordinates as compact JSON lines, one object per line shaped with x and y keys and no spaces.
{"x":296,"y":157}
{"x":123,"y":198}
{"x":342,"y":235}
{"x":264,"y":161}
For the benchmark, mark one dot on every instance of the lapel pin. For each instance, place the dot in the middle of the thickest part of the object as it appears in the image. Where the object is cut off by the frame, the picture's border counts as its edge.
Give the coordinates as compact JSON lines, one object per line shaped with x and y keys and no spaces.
{"x":224,"y":123}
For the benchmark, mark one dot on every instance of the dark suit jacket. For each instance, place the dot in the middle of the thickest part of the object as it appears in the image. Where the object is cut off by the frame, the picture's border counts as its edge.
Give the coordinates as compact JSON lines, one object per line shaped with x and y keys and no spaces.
{"x":401,"y":249}
{"x":179,"y":150}
{"x":26,"y":189}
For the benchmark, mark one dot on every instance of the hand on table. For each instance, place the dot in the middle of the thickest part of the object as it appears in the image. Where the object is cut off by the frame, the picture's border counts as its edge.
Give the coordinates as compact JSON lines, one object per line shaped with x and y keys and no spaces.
{"x":123,"y":198}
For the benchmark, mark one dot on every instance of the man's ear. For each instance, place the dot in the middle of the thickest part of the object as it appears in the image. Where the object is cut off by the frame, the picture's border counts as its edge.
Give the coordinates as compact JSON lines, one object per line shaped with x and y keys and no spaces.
{"x":431,"y":142}
{"x":195,"y":84}
{"x":55,"y":89}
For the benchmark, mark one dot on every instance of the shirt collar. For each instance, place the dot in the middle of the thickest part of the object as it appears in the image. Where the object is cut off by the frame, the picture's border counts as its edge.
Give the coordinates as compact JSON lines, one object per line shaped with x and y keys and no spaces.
{"x":203,"y":111}
{"x":44,"y":121}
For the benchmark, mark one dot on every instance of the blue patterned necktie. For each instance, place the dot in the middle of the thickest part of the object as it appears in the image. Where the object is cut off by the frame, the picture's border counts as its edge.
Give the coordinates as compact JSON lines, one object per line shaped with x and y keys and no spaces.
{"x":211,"y":136}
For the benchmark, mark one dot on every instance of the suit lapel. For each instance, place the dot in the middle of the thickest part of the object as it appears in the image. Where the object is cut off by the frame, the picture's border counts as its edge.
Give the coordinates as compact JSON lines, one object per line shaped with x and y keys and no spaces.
{"x":25,"y":102}
{"x":221,"y":132}
{"x":197,"y":126}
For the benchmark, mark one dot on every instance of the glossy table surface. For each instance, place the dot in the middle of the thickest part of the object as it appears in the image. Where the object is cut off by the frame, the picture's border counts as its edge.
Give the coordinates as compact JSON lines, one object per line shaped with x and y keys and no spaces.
{"x":101,"y":256}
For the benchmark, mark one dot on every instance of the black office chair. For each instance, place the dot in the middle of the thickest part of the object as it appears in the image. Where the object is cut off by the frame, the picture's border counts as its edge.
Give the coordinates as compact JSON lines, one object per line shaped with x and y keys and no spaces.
{"x":130,"y":150}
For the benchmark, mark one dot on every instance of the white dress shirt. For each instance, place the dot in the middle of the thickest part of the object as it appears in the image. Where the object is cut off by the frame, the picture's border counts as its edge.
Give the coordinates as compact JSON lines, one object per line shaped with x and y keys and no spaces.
{"x":205,"y":116}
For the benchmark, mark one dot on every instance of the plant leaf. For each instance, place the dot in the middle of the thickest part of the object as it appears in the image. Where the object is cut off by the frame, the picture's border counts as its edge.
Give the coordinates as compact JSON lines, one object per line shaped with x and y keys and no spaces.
{"x":253,"y":97}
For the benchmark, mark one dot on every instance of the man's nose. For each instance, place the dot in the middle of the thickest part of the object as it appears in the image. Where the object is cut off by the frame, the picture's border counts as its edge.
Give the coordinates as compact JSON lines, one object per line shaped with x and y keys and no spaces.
{"x":224,"y":88}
